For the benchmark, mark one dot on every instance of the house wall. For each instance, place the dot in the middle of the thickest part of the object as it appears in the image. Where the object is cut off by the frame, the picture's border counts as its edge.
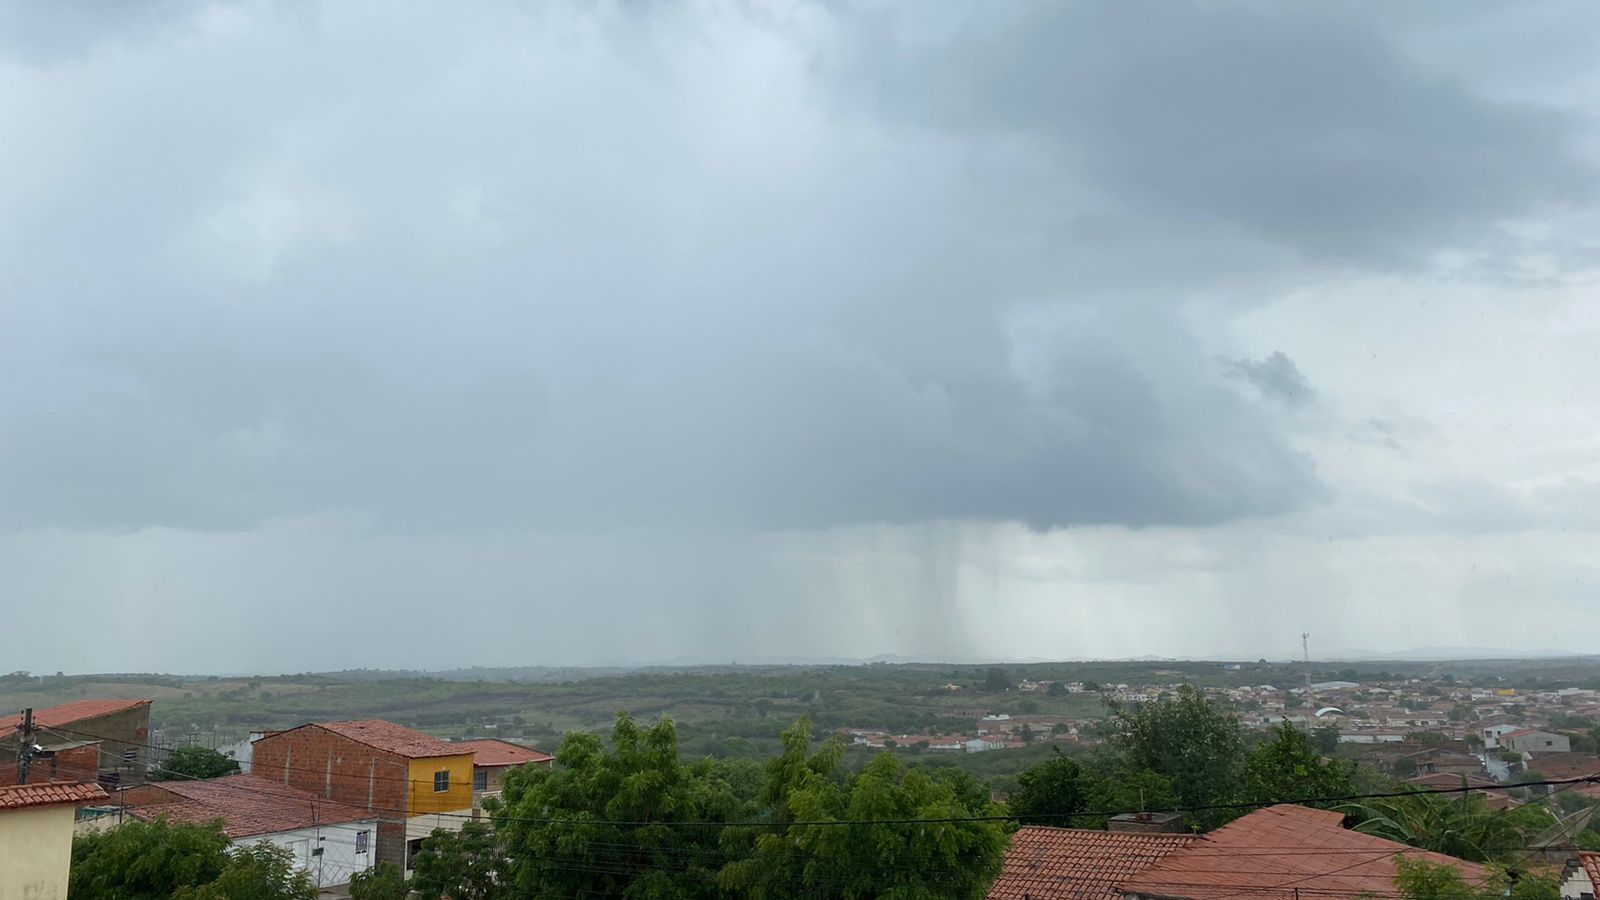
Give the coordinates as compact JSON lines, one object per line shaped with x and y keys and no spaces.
{"x":339,"y":860}
{"x":424,"y":799}
{"x":336,"y":768}
{"x":35,"y":852}
{"x":1539,"y":742}
{"x":123,"y":737}
{"x":70,"y":764}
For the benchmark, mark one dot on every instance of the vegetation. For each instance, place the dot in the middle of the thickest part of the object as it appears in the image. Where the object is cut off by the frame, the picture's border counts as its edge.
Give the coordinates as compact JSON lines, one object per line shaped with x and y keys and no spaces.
{"x":1419,"y":879}
{"x":634,"y":820}
{"x":385,"y":882}
{"x":158,"y":861}
{"x":1192,"y":744}
{"x":194,"y":762}
{"x":1462,"y":826}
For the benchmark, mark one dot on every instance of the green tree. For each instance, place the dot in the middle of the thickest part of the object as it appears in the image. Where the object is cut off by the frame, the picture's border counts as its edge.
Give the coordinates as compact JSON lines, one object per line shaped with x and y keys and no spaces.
{"x":386,"y":882}
{"x":260,"y":871}
{"x":997,"y":680}
{"x":195,"y":762}
{"x":799,"y":854}
{"x":1051,"y":792}
{"x":1419,"y":879}
{"x":1057,"y":689}
{"x":1461,"y":826}
{"x":1289,"y":767}
{"x":459,"y":865}
{"x":633,"y":821}
{"x":146,"y":860}
{"x":1326,"y":739}
{"x":1192,"y":743}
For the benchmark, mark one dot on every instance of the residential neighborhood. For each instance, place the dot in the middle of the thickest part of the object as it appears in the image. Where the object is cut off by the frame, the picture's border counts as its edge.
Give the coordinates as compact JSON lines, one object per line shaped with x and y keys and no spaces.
{"x":343,"y":798}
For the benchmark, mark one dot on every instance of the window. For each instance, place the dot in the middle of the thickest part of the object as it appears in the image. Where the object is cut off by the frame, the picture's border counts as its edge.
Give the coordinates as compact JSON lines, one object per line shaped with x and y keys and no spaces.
{"x":130,"y":755}
{"x":441,"y":781}
{"x":361,"y":841}
{"x":480,"y":780}
{"x":412,"y":849}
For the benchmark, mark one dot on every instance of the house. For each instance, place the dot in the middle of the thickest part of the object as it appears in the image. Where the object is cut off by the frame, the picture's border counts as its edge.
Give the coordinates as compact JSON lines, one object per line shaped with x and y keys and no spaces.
{"x":1532,"y":740}
{"x":1579,"y":881}
{"x":492,"y":758}
{"x":1077,"y":863}
{"x":1480,"y":786}
{"x":36,"y":837}
{"x":1293,"y":852}
{"x":118,"y":730}
{"x":1491,"y":734}
{"x":331,"y":841}
{"x":413,"y":781}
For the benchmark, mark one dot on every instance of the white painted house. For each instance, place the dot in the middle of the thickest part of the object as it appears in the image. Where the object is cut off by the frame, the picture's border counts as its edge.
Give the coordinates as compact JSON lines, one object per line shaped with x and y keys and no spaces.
{"x":1492,"y":735}
{"x":330,"y":841}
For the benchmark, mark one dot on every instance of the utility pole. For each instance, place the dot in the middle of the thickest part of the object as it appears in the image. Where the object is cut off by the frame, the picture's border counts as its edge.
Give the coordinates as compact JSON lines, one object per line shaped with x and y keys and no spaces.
{"x":25,"y":753}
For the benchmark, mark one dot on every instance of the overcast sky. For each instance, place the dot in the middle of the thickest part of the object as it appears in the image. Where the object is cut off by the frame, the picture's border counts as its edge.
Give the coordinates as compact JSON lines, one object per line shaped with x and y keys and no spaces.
{"x":340,"y":334}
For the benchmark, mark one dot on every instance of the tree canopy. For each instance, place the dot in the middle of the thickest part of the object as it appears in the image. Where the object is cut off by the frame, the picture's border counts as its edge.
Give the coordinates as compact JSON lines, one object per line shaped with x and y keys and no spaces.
{"x":802,"y":852}
{"x":194,"y":762}
{"x":158,"y":861}
{"x":1192,"y":743}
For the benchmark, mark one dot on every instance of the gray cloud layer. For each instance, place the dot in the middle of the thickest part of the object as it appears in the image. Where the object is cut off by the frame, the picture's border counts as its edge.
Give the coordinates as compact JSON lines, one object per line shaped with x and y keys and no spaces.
{"x":366,"y":284}
{"x":758,"y":280}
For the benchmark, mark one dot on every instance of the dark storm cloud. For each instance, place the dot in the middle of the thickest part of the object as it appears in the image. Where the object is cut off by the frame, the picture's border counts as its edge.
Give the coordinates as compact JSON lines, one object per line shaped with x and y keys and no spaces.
{"x":1275,"y":376}
{"x":1296,"y":123}
{"x":578,"y":268}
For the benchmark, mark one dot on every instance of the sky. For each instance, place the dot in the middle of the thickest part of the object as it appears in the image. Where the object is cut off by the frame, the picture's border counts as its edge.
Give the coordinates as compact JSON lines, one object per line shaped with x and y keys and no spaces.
{"x":349,"y":334}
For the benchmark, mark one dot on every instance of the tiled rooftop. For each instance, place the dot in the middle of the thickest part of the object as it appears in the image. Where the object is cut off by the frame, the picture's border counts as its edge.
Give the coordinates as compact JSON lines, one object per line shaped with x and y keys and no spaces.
{"x":1077,"y":864}
{"x":68,"y":713}
{"x":247,"y":805}
{"x":1281,"y":853}
{"x":396,"y":739}
{"x":23,"y":796}
{"x":494,"y":752}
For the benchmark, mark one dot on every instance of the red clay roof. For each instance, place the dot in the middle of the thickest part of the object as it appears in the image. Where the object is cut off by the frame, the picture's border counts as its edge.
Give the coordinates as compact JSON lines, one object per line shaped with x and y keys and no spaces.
{"x":494,"y":752}
{"x":247,"y":805}
{"x":1280,"y":852}
{"x":1591,"y":866}
{"x":68,"y":713}
{"x":23,"y":796}
{"x":1077,"y":864}
{"x":388,"y":736}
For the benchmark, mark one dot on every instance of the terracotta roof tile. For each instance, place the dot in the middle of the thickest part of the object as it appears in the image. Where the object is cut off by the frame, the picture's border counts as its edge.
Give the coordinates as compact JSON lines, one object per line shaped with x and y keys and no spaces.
{"x":68,"y":713}
{"x":1591,"y":866}
{"x":389,"y":737}
{"x":1318,"y":857}
{"x":22,"y":796}
{"x":493,"y":752}
{"x":1077,"y":864}
{"x":247,"y":805}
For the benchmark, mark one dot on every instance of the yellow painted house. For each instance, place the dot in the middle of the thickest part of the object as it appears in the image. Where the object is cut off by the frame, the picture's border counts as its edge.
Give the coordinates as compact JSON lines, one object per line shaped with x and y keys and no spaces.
{"x":440,"y":784}
{"x":36,"y":837}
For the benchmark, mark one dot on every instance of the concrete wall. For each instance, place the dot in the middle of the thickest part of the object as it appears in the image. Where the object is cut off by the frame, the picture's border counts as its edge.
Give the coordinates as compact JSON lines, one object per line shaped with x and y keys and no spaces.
{"x":1538,"y":742}
{"x":35,"y":852}
{"x":339,"y":859}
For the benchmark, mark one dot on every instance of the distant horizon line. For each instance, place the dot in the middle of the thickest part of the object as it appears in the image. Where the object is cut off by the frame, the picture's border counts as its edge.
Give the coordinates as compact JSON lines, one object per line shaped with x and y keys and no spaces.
{"x":1417,"y":655}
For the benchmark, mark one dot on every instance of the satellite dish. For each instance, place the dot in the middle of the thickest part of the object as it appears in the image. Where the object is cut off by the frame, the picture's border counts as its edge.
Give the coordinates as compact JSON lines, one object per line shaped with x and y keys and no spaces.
{"x":1329,"y":709}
